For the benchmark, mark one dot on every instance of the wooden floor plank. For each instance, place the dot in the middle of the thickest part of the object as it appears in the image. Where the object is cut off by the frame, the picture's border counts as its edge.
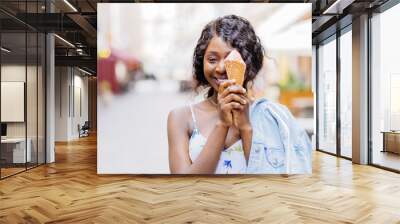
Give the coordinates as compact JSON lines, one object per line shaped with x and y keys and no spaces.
{"x":70,"y":191}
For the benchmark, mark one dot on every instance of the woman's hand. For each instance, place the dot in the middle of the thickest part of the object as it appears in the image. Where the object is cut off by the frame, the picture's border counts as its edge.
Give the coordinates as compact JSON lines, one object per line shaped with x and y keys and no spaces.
{"x":241,"y":117}
{"x":225,"y":104}
{"x":237,"y":105}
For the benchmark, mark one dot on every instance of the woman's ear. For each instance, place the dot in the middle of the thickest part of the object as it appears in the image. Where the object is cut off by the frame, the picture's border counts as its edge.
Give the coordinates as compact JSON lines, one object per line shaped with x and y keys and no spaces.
{"x":249,"y":89}
{"x":249,"y":85}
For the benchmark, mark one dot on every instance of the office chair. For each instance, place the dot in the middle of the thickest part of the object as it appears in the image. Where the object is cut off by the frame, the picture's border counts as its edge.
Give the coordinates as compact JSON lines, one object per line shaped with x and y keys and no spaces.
{"x":84,"y":130}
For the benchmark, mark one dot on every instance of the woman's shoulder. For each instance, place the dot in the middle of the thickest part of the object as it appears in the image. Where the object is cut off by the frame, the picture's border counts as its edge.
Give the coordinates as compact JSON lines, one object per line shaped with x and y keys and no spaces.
{"x":179,"y":117}
{"x":185,"y":110}
{"x":267,"y":107}
{"x":266,"y":112}
{"x":179,"y":113}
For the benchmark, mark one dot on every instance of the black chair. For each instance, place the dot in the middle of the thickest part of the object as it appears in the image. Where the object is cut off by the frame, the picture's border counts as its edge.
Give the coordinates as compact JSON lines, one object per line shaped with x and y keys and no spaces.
{"x":84,"y":130}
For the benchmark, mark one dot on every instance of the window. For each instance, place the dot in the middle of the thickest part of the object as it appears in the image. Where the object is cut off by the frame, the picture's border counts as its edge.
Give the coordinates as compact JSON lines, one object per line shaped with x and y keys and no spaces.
{"x":346,"y":94}
{"x":385,"y":89}
{"x":327,"y":97}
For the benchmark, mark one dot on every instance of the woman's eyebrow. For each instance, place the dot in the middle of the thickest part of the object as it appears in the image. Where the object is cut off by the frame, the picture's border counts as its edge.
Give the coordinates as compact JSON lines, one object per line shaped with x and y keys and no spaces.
{"x":212,"y":53}
{"x":222,"y":54}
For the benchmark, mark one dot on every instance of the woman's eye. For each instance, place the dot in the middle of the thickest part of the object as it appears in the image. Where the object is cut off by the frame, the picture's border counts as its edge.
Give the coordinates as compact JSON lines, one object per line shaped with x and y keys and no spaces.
{"x":212,"y":60}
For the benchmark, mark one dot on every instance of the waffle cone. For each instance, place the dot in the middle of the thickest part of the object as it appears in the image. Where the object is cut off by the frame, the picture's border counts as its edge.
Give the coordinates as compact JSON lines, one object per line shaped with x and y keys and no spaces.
{"x":235,"y":70}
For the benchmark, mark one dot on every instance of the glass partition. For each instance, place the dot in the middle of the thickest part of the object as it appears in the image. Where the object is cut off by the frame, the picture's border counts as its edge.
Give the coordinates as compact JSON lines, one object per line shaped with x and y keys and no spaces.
{"x":22,"y":88}
{"x":14,"y":153}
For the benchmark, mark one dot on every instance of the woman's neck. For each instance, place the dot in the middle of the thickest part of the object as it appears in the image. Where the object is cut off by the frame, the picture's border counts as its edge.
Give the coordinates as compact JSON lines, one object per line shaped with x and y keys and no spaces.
{"x":213,"y":100}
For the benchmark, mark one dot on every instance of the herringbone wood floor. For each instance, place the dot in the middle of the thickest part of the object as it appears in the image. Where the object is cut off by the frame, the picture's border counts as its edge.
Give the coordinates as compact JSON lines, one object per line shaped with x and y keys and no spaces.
{"x":70,"y":191}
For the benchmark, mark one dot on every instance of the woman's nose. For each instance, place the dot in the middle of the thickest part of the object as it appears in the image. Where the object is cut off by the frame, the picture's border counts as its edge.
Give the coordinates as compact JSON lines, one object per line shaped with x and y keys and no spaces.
{"x":220,"y":67}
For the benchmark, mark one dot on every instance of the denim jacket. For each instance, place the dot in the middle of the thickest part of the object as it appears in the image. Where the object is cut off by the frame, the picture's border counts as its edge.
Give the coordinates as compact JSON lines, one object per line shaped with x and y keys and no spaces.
{"x":279,"y":144}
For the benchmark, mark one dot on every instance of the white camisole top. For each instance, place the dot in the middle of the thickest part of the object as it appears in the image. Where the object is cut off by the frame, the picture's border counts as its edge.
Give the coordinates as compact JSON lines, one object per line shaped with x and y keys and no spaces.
{"x":232,"y":159}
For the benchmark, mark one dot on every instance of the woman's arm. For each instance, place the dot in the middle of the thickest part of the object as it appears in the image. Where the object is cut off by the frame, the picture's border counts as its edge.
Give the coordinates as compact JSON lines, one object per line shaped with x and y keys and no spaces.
{"x":241,"y":117}
{"x":178,"y":138}
{"x":178,"y":141}
{"x":246,"y":134}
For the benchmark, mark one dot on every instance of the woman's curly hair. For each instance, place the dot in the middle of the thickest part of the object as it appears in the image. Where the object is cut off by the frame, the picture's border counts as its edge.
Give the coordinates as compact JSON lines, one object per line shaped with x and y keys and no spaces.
{"x":239,"y":34}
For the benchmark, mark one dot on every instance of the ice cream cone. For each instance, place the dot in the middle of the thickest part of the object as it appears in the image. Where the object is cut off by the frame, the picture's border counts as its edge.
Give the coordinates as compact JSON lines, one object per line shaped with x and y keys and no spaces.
{"x":235,"y":70}
{"x":235,"y":67}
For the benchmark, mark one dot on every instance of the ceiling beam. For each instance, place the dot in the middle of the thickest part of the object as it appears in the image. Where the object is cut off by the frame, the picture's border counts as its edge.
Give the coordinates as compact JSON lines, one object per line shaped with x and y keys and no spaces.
{"x":86,"y":26}
{"x":337,"y":6}
{"x":83,"y":61}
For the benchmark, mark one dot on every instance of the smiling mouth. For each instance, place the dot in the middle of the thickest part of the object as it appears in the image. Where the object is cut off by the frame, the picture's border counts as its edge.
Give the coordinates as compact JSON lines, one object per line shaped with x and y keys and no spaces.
{"x":218,"y":80}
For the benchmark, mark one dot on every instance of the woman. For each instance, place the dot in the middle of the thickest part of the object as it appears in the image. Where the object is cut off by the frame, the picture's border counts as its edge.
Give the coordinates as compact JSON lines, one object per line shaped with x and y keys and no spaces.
{"x":203,"y":139}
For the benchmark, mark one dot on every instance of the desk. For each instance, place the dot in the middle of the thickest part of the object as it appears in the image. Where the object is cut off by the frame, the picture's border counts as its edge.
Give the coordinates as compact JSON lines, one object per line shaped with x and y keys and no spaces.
{"x":17,"y":150}
{"x":391,"y":141}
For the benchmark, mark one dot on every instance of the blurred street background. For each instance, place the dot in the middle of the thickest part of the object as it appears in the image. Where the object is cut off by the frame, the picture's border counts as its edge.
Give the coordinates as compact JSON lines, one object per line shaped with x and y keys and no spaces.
{"x":145,"y":70}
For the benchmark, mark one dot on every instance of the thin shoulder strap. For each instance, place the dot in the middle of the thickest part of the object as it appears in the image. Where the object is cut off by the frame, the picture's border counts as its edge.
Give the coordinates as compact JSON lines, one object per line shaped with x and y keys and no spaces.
{"x":193,"y":117}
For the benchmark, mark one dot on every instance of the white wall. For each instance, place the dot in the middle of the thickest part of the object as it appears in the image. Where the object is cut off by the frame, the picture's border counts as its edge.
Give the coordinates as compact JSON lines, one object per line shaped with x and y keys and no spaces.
{"x":79,"y":117}
{"x":33,"y":126}
{"x":61,"y":103}
{"x":12,"y":73}
{"x":69,"y":82}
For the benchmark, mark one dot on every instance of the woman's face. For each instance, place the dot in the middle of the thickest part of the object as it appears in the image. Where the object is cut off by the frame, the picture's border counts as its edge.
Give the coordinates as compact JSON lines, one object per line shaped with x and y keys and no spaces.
{"x":213,"y":61}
